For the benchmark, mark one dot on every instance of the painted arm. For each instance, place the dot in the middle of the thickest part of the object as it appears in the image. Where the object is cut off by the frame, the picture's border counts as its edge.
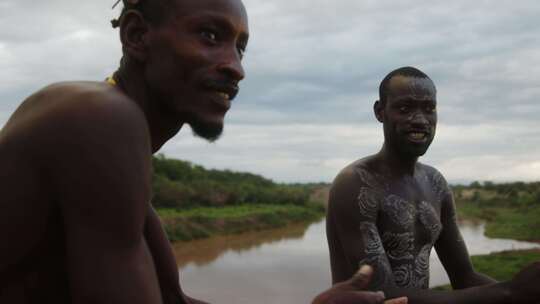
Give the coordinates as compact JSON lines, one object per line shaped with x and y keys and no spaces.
{"x":166,"y":267}
{"x":452,"y":250}
{"x":353,"y":237}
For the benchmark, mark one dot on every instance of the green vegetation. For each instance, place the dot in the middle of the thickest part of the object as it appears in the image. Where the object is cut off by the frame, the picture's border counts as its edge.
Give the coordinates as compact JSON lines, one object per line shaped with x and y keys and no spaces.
{"x":180,"y":184}
{"x":511,"y":210}
{"x":183,"y":225}
{"x":502,"y":266}
{"x":195,"y":202}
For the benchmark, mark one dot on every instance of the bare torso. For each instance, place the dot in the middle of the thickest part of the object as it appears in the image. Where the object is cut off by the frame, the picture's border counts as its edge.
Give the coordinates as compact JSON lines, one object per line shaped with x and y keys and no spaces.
{"x":397,"y":219}
{"x":405,"y":223}
{"x":37,"y":146}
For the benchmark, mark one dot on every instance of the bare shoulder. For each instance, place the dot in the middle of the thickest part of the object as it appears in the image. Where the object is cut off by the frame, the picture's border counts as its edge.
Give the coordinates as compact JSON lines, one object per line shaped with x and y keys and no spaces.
{"x":435,"y":180}
{"x":359,"y":175}
{"x":66,"y":114}
{"x":86,"y":101}
{"x":432,"y":174}
{"x":362,"y":172}
{"x":430,"y":171}
{"x":81,"y":135}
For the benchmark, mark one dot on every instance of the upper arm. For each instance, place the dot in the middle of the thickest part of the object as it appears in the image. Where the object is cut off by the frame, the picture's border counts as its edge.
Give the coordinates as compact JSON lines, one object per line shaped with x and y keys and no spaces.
{"x":341,"y":229}
{"x":353,"y":237}
{"x":100,"y":178}
{"x":450,"y":246}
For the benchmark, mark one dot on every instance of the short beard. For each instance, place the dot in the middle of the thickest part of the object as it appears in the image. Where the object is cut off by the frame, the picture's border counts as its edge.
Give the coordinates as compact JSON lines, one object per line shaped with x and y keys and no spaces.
{"x":207,"y":130}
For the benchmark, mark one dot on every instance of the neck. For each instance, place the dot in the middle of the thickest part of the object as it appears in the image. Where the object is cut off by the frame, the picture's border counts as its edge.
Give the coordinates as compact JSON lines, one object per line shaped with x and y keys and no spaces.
{"x":161,"y":124}
{"x":398,"y":163}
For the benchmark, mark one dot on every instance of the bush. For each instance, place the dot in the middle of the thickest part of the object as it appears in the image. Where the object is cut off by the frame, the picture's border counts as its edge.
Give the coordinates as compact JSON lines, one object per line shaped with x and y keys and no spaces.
{"x":180,"y":184}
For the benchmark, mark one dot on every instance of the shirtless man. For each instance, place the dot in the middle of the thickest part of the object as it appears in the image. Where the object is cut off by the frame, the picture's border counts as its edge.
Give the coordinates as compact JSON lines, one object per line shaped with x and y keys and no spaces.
{"x":75,"y":219}
{"x":388,"y":210}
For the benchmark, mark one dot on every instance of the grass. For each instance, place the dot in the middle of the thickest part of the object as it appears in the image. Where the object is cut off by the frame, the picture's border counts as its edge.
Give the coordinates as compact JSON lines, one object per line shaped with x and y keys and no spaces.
{"x":204,"y":222}
{"x":503,"y":222}
{"x":502,"y":266}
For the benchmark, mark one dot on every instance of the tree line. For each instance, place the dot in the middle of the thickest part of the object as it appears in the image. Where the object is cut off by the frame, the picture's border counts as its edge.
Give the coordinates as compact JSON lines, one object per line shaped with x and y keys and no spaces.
{"x":181,"y":184}
{"x":515,"y":194}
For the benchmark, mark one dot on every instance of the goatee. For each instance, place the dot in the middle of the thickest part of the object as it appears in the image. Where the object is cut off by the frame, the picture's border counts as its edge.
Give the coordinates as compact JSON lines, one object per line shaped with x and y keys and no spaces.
{"x":208,"y":130}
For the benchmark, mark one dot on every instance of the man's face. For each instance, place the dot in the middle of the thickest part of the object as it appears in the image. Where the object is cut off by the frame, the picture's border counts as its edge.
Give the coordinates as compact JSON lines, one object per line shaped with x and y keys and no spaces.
{"x":409,"y":115}
{"x":194,"y":62}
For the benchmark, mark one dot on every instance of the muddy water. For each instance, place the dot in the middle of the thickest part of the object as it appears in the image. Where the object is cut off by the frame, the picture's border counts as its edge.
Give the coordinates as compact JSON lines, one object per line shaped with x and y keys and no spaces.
{"x":283,"y":266}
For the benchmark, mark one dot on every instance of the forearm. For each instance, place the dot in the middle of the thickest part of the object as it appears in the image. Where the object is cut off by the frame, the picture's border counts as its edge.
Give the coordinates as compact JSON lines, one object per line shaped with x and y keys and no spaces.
{"x":472,"y":280}
{"x":165,"y":262}
{"x":496,"y":293}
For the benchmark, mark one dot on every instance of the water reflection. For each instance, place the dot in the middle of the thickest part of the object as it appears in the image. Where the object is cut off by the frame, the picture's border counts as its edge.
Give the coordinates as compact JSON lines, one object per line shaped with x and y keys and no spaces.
{"x":283,"y":266}
{"x":477,"y":244}
{"x":202,"y":252}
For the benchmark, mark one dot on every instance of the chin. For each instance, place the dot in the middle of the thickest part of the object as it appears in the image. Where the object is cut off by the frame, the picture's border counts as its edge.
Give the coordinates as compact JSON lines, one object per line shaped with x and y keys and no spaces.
{"x":417,"y":151}
{"x":210,"y":131}
{"x":412,"y":151}
{"x":209,"y":127}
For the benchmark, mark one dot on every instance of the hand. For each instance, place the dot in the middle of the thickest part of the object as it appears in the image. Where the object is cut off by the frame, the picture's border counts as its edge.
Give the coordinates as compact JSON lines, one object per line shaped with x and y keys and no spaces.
{"x":352,"y":291}
{"x":524,"y":285}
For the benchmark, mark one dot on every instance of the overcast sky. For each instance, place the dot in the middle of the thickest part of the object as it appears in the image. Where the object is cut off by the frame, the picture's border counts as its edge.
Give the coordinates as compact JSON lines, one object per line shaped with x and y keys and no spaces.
{"x":313,"y":70}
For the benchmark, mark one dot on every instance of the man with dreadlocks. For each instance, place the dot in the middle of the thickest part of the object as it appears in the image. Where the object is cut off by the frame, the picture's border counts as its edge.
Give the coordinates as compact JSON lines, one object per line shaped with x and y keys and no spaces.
{"x":76,"y":161}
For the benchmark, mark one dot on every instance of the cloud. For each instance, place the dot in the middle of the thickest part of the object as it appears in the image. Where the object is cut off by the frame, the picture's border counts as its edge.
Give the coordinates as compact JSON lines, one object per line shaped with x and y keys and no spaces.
{"x":313,"y":70}
{"x":312,"y":153}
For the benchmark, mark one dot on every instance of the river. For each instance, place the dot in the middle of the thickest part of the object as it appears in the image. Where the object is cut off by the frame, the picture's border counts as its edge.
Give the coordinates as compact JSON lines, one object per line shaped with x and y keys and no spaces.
{"x":285,"y":266}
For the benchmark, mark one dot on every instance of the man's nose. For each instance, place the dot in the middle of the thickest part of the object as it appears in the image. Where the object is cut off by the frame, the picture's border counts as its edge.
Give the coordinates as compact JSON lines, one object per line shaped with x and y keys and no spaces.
{"x":419,"y":119}
{"x":231,"y":65}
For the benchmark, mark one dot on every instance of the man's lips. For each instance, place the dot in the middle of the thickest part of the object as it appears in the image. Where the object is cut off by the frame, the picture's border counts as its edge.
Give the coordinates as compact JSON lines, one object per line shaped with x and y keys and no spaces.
{"x":418,"y":136}
{"x":225,"y":90}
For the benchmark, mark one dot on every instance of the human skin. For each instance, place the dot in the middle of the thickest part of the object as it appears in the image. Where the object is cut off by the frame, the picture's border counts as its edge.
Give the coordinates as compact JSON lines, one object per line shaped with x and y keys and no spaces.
{"x":351,"y":291}
{"x":388,"y":210}
{"x":76,"y":163}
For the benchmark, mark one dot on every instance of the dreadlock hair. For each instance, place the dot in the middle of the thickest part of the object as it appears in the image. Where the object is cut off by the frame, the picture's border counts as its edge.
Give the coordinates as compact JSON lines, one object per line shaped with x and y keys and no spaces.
{"x":403,"y":71}
{"x":154,"y":11}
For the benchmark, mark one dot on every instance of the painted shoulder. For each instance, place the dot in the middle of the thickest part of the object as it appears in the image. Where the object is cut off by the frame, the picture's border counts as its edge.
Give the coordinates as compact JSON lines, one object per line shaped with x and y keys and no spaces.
{"x":365,"y":172}
{"x":436,"y":180}
{"x":432,"y":172}
{"x":360,"y":174}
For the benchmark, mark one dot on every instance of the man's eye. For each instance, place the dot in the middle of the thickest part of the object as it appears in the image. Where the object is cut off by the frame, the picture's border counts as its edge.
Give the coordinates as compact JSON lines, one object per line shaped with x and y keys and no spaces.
{"x":404,"y":109}
{"x":210,"y":35}
{"x":431,"y":109}
{"x":241,"y":52}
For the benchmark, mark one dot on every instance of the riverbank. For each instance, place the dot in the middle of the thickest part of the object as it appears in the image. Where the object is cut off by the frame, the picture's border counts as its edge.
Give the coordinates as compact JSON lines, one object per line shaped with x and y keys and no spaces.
{"x":508,"y":223}
{"x":195,"y":202}
{"x":502,"y":266}
{"x":203,"y":222}
{"x":510,"y":210}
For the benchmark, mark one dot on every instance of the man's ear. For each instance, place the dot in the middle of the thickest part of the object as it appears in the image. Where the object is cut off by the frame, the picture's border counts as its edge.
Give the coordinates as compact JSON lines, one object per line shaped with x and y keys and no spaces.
{"x":378,"y":109}
{"x":133,"y":34}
